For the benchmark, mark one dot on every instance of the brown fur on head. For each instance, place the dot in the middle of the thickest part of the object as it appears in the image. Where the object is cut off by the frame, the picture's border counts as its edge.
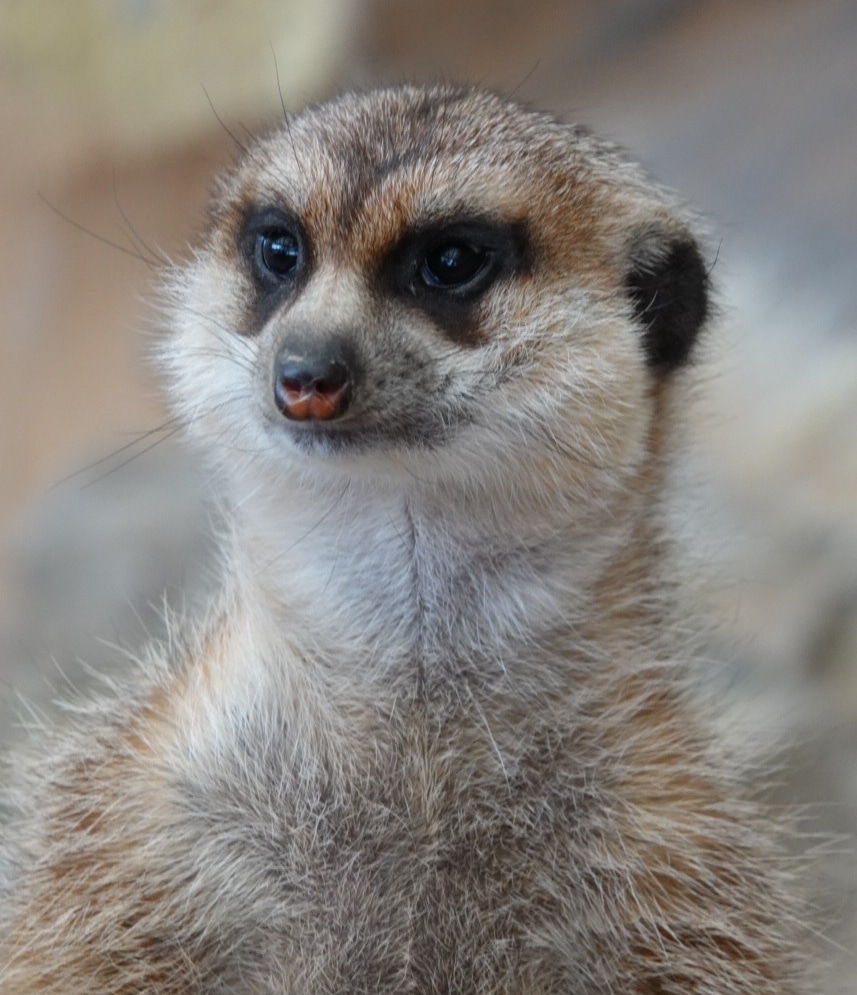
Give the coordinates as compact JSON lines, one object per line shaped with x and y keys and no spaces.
{"x":594,"y":288}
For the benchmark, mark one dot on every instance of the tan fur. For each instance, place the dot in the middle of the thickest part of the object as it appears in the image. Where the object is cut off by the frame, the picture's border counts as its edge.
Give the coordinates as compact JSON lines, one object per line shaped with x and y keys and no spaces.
{"x":433,"y":736}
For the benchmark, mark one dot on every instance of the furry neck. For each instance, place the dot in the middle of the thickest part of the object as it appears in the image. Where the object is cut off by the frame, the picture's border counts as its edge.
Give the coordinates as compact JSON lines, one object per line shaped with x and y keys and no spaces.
{"x":385,"y":581}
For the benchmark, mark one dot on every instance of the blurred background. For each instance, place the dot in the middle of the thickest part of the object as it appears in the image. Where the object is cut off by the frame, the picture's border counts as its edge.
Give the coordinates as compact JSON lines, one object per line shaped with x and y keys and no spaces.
{"x":114,"y":116}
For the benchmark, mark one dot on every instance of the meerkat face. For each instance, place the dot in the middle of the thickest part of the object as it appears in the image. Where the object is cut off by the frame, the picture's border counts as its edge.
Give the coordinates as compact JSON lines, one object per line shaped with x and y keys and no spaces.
{"x":434,"y":278}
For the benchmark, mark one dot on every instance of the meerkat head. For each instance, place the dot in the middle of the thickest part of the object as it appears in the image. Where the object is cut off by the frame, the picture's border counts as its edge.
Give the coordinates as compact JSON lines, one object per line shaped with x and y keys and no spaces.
{"x":434,"y":285}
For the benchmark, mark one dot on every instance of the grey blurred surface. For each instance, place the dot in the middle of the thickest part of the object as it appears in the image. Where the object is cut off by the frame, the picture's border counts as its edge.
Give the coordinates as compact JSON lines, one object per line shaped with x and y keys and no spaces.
{"x":750,"y":110}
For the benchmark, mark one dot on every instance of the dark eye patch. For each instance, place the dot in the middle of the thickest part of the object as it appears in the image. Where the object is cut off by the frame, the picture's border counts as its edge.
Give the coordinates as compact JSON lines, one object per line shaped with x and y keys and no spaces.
{"x":274,"y":249}
{"x":272,"y":243}
{"x":444,"y":269}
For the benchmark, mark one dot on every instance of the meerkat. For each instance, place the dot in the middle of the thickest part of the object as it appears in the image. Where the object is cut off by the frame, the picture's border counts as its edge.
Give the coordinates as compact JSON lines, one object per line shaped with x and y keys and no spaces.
{"x":433,"y":736}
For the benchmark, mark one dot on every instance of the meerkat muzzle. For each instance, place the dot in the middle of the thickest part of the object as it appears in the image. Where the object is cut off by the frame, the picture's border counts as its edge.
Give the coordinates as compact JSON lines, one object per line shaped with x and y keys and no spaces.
{"x":313,"y":385}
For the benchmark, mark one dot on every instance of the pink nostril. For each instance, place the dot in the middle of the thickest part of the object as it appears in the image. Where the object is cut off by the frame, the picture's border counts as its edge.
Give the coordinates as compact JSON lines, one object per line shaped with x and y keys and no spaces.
{"x":317,"y":391}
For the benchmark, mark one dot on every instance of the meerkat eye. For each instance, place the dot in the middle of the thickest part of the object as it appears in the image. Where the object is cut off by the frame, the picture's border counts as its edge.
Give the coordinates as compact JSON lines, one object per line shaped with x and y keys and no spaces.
{"x":453,"y":263}
{"x":277,"y":252}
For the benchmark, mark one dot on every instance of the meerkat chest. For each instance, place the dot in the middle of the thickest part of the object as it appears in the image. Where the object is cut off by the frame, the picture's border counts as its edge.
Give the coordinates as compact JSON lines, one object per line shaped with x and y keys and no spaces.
{"x":436,"y":869}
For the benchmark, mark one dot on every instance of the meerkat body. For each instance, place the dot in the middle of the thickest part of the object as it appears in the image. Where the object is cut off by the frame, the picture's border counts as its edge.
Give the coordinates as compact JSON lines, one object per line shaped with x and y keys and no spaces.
{"x":432,"y":737}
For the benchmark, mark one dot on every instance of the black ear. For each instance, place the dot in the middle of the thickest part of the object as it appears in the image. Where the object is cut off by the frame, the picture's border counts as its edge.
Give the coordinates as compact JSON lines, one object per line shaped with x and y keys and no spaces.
{"x":668,"y":285}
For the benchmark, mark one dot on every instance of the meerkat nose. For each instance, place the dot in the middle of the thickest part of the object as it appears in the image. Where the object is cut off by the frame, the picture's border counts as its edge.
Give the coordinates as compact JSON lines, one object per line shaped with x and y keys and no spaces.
{"x":313,"y":385}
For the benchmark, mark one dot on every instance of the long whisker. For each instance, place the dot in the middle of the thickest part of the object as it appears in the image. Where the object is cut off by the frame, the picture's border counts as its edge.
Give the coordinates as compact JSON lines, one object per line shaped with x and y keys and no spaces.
{"x":238,"y":143}
{"x":133,"y":252}
{"x":168,"y":428}
{"x":279,"y":84}
{"x":113,"y":469}
{"x":154,"y":257}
